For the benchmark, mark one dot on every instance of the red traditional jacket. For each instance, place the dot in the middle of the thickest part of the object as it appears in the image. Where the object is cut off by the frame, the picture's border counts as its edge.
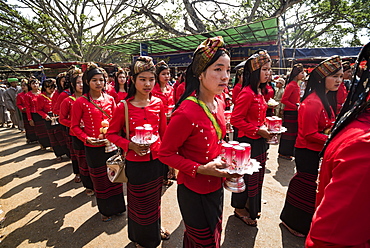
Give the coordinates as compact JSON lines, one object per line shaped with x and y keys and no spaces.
{"x":291,"y":96}
{"x":249,"y":113}
{"x":83,"y":110}
{"x":61,"y":97}
{"x":341,"y":96}
{"x":191,"y":140}
{"x":43,"y":106}
{"x":167,"y":98}
{"x":153,"y":114}
{"x":31,"y":103}
{"x":343,"y":190}
{"x":21,"y":102}
{"x":65,"y":110}
{"x":236,"y":90}
{"x":312,"y":122}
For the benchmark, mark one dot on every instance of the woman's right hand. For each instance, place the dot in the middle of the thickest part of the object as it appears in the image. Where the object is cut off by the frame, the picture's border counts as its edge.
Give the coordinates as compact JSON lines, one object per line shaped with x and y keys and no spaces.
{"x":212,"y":169}
{"x":140,"y":149}
{"x":95,"y":141}
{"x":264,"y":133}
{"x":32,"y":123}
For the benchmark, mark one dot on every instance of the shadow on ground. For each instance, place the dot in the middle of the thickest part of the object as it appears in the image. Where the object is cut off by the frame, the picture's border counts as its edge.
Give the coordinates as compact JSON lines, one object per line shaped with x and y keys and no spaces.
{"x":285,"y":171}
{"x":48,"y":210}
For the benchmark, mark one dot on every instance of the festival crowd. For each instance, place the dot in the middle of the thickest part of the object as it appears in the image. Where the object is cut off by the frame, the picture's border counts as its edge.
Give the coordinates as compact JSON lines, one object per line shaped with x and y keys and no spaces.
{"x":326,"y":115}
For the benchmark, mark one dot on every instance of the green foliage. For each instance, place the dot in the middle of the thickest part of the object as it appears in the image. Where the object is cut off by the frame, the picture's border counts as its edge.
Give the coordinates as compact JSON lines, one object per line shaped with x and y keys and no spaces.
{"x":61,"y":30}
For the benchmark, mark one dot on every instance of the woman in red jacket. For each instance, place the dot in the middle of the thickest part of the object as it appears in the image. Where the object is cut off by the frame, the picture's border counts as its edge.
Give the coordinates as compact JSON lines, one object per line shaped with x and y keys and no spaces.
{"x":143,"y":169}
{"x":33,"y":117}
{"x":80,"y":168}
{"x":162,"y":88}
{"x":60,"y":80}
{"x":120,"y":85}
{"x":315,"y":118}
{"x":90,"y":113}
{"x":54,"y":129}
{"x":248,"y":117}
{"x":238,"y":85}
{"x":344,"y":180}
{"x":291,"y":99}
{"x":193,"y":140}
{"x":21,"y":104}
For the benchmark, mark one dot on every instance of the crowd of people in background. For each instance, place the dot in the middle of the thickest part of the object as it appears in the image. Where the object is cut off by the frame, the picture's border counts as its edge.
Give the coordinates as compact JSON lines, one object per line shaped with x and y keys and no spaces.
{"x":80,"y":115}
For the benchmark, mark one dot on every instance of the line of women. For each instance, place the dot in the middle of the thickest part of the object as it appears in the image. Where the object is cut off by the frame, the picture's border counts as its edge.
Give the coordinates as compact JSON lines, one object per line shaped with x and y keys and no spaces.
{"x":189,"y":141}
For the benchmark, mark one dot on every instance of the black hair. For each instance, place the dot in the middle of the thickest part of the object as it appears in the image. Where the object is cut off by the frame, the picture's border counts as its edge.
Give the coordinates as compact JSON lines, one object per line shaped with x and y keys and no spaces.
{"x":182,"y":75}
{"x":317,"y":84}
{"x":264,"y":90}
{"x":158,"y":71}
{"x":48,"y":83}
{"x":92,"y":70}
{"x":297,"y":68}
{"x":30,"y":81}
{"x":132,"y":89}
{"x":59,"y":77}
{"x":356,"y":101}
{"x":192,"y":82}
{"x":116,"y":84}
{"x":73,"y":79}
{"x":252,"y":79}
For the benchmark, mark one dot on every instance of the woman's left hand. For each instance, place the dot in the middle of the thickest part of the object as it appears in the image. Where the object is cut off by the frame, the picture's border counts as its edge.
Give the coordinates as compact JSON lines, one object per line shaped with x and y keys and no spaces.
{"x":212,"y":169}
{"x":140,"y":149}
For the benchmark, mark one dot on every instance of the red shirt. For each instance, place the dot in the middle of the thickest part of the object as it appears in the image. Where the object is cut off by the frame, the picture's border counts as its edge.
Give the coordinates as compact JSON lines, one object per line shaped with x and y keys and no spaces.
{"x":191,"y":140}
{"x":54,"y":99}
{"x":65,"y":110}
{"x":31,"y":103}
{"x":61,"y":97}
{"x":269,"y":94}
{"x":110,"y":90}
{"x":21,"y":101}
{"x":291,"y":96}
{"x":344,"y":190}
{"x":180,"y":89}
{"x":249,"y":113}
{"x":153,"y":114}
{"x":83,"y":110}
{"x":312,"y":121}
{"x":43,"y":106}
{"x":120,"y":96}
{"x":167,"y":98}
{"x":341,"y":96}
{"x":236,"y":90}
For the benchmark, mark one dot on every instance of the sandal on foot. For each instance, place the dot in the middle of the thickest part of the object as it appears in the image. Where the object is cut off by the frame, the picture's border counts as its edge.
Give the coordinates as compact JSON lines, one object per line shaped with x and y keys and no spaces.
{"x":246,"y":220}
{"x":120,"y":214}
{"x":90,"y":192}
{"x":77,"y":178}
{"x":165,"y":234}
{"x":105,"y":218}
{"x":295,"y":233}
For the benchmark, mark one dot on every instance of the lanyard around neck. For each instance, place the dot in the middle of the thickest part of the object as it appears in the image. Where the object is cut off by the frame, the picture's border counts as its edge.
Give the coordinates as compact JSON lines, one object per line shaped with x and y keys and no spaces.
{"x":209,"y":114}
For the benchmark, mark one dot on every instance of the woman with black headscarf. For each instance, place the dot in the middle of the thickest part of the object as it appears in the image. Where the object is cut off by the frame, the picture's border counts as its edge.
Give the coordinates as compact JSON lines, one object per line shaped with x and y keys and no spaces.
{"x":315,"y":118}
{"x":342,"y":216}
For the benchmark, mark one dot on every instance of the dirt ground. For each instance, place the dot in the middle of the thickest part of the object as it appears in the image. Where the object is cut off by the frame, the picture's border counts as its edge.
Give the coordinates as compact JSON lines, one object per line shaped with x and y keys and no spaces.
{"x":41,"y":206}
